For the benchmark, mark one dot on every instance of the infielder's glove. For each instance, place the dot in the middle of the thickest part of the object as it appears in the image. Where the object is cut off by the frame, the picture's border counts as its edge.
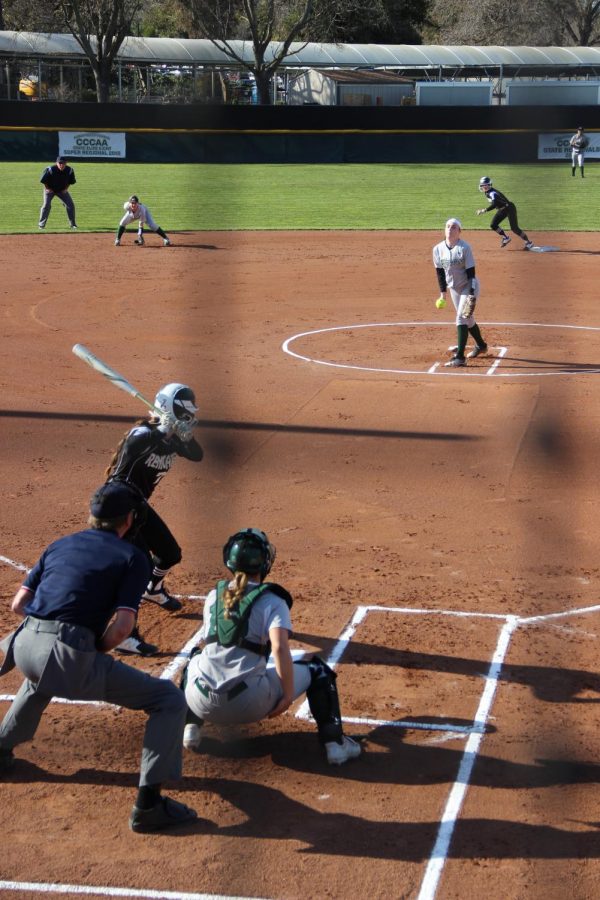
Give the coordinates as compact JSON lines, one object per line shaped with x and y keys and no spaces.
{"x":467,"y":307}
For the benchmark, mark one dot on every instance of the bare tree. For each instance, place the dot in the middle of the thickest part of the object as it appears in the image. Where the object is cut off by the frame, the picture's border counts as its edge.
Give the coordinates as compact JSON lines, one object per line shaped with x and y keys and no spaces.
{"x":262,"y":22}
{"x":99,"y":27}
{"x":537,"y":23}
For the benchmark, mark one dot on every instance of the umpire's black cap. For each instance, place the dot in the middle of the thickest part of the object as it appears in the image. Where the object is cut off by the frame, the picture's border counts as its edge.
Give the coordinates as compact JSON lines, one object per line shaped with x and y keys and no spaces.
{"x":61,"y":159}
{"x":112,"y":500}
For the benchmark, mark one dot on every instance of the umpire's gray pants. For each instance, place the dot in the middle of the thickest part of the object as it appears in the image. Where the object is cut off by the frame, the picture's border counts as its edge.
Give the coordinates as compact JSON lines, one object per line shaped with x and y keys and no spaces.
{"x":64,"y":198}
{"x":60,"y":660}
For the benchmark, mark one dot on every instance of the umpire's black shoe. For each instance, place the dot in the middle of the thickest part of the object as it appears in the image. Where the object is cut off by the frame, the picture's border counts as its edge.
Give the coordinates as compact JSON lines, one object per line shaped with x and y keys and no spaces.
{"x":7,"y":761}
{"x":166,"y":814}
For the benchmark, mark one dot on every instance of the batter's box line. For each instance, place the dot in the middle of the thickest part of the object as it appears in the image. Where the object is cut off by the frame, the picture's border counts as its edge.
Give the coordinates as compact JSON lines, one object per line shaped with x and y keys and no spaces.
{"x":478,"y":726}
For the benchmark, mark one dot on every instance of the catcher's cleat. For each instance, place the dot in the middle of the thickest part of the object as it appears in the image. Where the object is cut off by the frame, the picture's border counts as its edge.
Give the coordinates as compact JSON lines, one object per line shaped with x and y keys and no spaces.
{"x":342,"y":752}
{"x":135,"y":644}
{"x":477,"y":351}
{"x":192,"y":737}
{"x":163,"y":599}
{"x":505,"y":240}
{"x":166,"y":814}
{"x":528,"y":245}
{"x":456,"y":361}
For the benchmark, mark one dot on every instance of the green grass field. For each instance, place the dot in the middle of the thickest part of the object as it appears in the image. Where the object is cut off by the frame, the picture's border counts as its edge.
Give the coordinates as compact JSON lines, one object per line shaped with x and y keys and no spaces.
{"x":261,"y":197}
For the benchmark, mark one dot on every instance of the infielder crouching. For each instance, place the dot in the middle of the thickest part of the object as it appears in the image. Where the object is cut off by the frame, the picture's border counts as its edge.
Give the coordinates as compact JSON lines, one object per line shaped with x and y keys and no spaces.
{"x":136,"y":211}
{"x":455,"y":268}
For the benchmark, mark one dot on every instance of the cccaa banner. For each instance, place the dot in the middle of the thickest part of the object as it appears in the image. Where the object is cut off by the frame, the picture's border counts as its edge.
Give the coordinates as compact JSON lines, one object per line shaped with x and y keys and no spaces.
{"x":108,"y":145}
{"x":556,"y":146}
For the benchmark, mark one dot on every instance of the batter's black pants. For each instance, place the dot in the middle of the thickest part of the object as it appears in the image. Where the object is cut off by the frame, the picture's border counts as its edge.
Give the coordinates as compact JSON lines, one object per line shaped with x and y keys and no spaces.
{"x":155,"y":538}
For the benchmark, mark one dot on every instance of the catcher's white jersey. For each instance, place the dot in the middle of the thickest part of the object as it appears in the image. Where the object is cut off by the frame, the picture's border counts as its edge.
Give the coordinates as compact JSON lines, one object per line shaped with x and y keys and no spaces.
{"x":455,"y":261}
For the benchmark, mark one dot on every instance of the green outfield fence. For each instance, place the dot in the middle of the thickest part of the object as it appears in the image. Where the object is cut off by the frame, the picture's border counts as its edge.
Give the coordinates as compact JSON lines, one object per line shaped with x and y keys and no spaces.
{"x":293,"y":134}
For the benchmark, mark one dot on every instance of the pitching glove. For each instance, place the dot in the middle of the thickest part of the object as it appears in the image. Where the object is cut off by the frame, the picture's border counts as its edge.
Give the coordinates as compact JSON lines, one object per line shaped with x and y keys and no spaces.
{"x":467,"y":307}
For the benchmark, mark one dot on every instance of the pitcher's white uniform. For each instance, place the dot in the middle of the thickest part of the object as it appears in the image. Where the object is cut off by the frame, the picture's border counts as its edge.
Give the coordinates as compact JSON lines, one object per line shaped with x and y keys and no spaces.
{"x":455,"y":261}
{"x":138,"y":211}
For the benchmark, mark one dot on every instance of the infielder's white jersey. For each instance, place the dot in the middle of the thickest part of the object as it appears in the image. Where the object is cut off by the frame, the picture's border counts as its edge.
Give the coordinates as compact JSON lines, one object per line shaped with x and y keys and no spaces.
{"x":455,"y":261}
{"x":141,"y":212}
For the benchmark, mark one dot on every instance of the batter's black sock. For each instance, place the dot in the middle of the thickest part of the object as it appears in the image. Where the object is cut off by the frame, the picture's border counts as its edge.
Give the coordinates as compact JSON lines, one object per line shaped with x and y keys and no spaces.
{"x":582,"y":172}
{"x":476,"y":334}
{"x":148,"y":796}
{"x":463,"y":334}
{"x":162,"y":234}
{"x":120,"y":232}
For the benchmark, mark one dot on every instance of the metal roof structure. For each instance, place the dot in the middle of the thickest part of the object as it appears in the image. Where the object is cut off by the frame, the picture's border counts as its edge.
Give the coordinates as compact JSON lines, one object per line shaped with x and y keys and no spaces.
{"x":406,"y":58}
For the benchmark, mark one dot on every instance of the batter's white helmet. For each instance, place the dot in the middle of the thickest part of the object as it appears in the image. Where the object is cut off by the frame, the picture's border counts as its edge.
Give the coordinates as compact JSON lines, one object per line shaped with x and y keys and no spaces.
{"x":178,"y":401}
{"x":484,"y":183}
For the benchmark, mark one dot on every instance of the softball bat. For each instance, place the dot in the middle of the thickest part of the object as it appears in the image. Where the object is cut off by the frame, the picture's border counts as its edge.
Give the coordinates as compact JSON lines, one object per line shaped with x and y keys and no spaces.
{"x":114,"y":377}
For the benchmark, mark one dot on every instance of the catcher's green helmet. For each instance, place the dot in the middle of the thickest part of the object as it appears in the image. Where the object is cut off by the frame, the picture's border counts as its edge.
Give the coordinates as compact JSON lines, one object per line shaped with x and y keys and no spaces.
{"x":249,"y":551}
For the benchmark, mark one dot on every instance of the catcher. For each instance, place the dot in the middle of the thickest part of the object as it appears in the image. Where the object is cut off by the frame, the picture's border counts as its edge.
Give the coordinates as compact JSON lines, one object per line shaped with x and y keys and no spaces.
{"x":136,"y":211}
{"x":455,"y":268}
{"x":229,"y":681}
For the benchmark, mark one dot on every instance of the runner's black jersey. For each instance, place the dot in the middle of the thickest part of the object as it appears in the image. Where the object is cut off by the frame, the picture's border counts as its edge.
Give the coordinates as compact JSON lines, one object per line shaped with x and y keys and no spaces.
{"x":147,"y":455}
{"x":497,"y":200}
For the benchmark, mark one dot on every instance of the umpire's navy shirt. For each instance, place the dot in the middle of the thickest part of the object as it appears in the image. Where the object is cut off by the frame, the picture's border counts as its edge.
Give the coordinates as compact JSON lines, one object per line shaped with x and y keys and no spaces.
{"x":85,"y":577}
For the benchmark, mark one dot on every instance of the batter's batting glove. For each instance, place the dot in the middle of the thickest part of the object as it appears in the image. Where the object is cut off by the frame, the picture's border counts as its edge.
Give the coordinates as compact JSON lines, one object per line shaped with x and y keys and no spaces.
{"x":183,"y":430}
{"x":168,"y":424}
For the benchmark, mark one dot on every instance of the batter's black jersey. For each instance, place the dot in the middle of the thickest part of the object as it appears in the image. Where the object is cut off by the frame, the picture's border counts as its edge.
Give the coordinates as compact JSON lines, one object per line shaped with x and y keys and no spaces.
{"x":146,"y":455}
{"x":497,"y":200}
{"x":55,"y":180}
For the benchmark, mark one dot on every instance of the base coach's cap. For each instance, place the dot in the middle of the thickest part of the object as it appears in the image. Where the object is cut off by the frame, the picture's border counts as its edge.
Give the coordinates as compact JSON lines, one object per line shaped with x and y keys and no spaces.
{"x":61,"y":159}
{"x":112,"y":500}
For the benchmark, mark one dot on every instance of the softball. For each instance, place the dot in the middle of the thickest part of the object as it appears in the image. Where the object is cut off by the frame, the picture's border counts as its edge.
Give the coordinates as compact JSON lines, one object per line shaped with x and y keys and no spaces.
{"x":440,"y":303}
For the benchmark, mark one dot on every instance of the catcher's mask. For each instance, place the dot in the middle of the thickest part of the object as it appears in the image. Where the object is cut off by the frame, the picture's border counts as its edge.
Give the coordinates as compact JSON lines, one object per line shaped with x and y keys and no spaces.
{"x":249,"y":551}
{"x":177,"y":400}
{"x":485,"y":184}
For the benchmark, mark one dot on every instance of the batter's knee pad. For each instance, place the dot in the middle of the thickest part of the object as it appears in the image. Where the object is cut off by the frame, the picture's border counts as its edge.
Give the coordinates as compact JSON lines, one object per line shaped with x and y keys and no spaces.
{"x":323,"y":700}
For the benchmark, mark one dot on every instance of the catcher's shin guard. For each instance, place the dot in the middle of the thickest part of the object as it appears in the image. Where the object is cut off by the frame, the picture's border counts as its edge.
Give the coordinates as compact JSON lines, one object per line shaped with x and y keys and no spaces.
{"x":323,"y":700}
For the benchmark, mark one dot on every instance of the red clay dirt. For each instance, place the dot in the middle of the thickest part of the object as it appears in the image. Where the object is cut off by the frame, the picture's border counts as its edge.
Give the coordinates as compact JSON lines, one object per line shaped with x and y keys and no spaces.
{"x":426,"y":494}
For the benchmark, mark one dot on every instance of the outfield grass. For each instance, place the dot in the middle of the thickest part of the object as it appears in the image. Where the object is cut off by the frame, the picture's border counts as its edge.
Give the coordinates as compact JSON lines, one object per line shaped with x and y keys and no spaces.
{"x":231,"y":197}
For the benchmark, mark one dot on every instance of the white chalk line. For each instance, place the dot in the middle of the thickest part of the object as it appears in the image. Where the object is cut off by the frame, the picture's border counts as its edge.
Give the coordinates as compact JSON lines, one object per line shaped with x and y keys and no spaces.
{"x":473,"y":732}
{"x":459,"y":789}
{"x":434,"y":370}
{"x":43,"y":888}
{"x":501,"y":352}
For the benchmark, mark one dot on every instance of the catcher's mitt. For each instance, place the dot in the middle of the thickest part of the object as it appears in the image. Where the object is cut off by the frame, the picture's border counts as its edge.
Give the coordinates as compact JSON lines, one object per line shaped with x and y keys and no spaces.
{"x":467,"y":307}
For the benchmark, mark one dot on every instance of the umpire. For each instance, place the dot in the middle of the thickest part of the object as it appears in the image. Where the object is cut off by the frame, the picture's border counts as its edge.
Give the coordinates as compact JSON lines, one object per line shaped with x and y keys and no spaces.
{"x":57,"y":180}
{"x":79,"y":601}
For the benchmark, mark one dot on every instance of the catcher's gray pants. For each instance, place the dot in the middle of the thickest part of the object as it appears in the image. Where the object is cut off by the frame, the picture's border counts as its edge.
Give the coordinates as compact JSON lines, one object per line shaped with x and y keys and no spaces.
{"x":64,"y":198}
{"x":60,"y":660}
{"x":246,"y":704}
